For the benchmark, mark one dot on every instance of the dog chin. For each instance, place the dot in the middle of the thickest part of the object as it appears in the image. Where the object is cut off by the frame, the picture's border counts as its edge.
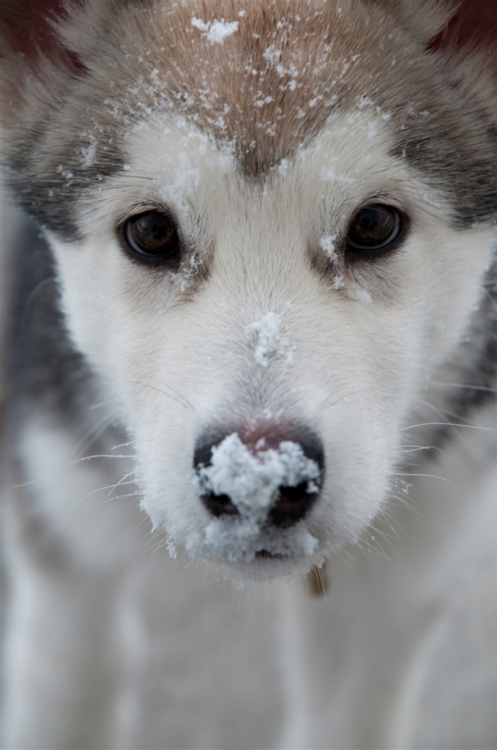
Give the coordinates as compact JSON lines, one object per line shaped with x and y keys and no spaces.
{"x":243,"y":552}
{"x":265,"y":567}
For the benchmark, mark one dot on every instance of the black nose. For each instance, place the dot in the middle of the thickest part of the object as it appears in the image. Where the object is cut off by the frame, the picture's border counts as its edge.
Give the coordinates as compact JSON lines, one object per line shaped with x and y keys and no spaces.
{"x":290,"y":503}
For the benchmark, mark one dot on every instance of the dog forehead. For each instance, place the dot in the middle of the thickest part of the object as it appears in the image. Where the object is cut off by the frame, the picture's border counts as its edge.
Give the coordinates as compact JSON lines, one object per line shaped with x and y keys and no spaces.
{"x":265,"y":76}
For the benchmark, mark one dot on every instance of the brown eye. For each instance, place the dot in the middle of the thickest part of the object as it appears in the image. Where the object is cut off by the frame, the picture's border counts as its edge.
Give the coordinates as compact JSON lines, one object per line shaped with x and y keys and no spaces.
{"x":375,"y":229}
{"x":152,"y":237}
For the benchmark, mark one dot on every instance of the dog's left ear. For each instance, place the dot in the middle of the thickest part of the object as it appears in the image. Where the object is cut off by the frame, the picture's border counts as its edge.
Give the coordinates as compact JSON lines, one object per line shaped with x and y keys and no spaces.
{"x":471,"y":29}
{"x":35,"y":58}
{"x":28,"y":30}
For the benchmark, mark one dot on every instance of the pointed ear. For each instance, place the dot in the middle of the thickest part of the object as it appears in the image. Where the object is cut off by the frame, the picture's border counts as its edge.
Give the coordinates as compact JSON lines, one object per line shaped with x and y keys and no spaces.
{"x":472,"y":29}
{"x":28,"y":31}
{"x":34,"y":58}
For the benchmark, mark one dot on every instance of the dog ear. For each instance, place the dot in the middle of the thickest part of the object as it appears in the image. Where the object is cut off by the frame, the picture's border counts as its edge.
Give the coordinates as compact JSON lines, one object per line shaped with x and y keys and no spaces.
{"x":35,"y":59}
{"x":471,"y":29}
{"x":29,"y":33}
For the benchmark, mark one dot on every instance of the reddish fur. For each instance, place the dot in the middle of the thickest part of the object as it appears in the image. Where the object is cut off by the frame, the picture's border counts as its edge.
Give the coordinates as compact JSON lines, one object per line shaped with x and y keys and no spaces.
{"x":29,"y":29}
{"x":474,"y":26}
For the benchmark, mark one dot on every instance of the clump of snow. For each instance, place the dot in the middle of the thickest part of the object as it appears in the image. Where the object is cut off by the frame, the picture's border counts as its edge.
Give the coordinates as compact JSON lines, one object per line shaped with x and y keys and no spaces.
{"x":272,"y":54}
{"x":253,"y":481}
{"x":89,"y":154}
{"x":233,"y":540}
{"x":269,"y":343}
{"x":66,"y":174}
{"x":330,"y":175}
{"x":327,"y":244}
{"x":216,"y":31}
{"x":263,"y":101}
{"x":187,"y":276}
{"x":361,"y":294}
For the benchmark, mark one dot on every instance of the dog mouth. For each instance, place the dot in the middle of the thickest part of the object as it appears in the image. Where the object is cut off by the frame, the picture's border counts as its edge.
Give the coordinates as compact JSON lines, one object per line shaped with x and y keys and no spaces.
{"x":264,"y":554}
{"x":236,"y":541}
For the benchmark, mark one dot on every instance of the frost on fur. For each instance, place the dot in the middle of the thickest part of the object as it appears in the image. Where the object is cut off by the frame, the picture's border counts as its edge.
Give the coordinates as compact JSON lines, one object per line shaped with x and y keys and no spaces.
{"x":268,"y":341}
{"x":234,"y":540}
{"x":216,"y":31}
{"x":253,"y":481}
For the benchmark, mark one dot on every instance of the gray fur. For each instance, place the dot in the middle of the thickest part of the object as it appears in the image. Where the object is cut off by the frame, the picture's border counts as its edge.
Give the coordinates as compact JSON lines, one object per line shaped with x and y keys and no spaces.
{"x":44,"y":369}
{"x":471,"y":373}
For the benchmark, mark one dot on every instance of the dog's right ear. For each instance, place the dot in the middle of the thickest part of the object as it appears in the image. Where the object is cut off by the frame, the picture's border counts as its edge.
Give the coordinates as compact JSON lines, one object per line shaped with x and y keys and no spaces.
{"x":29,"y":31}
{"x":34,"y":57}
{"x":472,"y":28}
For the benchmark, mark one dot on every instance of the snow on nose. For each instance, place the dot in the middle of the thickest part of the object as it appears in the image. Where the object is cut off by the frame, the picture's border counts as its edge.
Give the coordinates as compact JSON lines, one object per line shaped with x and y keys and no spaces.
{"x":258,"y":491}
{"x":277,"y":485}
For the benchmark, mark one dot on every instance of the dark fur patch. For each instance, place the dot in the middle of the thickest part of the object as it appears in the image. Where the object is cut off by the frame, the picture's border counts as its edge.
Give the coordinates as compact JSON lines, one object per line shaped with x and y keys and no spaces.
{"x":455,"y":151}
{"x":50,"y":186}
{"x":472,"y":379}
{"x":480,"y":376}
{"x":43,"y":365}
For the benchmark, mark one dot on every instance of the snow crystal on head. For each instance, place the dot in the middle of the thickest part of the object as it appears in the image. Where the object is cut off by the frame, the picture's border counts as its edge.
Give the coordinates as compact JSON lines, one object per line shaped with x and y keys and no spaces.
{"x":216,"y":31}
{"x":252,"y":481}
{"x":89,"y":153}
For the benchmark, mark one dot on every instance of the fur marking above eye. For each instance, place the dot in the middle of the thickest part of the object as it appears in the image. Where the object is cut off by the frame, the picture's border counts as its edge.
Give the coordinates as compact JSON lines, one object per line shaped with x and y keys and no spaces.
{"x":152,"y":237}
{"x":375,"y":230}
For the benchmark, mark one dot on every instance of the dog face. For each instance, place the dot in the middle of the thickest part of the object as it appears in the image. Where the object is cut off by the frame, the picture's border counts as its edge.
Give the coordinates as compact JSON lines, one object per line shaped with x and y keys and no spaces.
{"x":271,"y":222}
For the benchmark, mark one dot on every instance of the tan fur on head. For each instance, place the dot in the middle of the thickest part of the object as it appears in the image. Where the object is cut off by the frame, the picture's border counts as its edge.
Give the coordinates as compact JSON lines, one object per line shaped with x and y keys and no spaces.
{"x":271,"y":83}
{"x":262,"y":91}
{"x":264,"y":88}
{"x":316,"y":69}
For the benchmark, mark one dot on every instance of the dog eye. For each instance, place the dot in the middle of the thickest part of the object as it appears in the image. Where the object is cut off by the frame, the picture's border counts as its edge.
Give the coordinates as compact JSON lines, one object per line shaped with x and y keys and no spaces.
{"x":375,"y":229}
{"x":152,"y":237}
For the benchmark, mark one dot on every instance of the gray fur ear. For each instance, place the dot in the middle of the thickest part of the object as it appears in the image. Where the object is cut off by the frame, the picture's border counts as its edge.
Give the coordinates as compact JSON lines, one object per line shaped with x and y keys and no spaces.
{"x":426,"y":18}
{"x":471,"y":29}
{"x":28,"y":28}
{"x":81,"y":28}
{"x":34,"y":59}
{"x":459,"y":27}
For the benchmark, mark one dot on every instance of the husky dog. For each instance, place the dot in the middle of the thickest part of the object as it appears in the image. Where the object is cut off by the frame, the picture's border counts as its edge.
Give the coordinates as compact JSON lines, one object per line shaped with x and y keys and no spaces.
{"x":255,"y":304}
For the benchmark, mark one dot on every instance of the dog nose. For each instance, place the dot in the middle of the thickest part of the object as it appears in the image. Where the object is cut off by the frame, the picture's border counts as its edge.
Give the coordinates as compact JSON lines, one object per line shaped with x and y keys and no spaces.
{"x":274,"y":473}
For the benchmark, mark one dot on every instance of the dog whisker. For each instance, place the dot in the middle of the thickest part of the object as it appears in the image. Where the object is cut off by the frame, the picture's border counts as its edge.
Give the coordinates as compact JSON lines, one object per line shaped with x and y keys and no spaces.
{"x":179,"y":401}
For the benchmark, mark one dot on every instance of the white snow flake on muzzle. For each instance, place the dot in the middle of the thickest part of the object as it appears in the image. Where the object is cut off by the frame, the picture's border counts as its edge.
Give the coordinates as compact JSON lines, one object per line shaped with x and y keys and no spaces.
{"x":267,"y":340}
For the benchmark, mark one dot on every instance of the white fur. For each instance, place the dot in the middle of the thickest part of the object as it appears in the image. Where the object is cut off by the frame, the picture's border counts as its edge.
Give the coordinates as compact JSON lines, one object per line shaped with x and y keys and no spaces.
{"x":361,"y":355}
{"x":369,"y":358}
